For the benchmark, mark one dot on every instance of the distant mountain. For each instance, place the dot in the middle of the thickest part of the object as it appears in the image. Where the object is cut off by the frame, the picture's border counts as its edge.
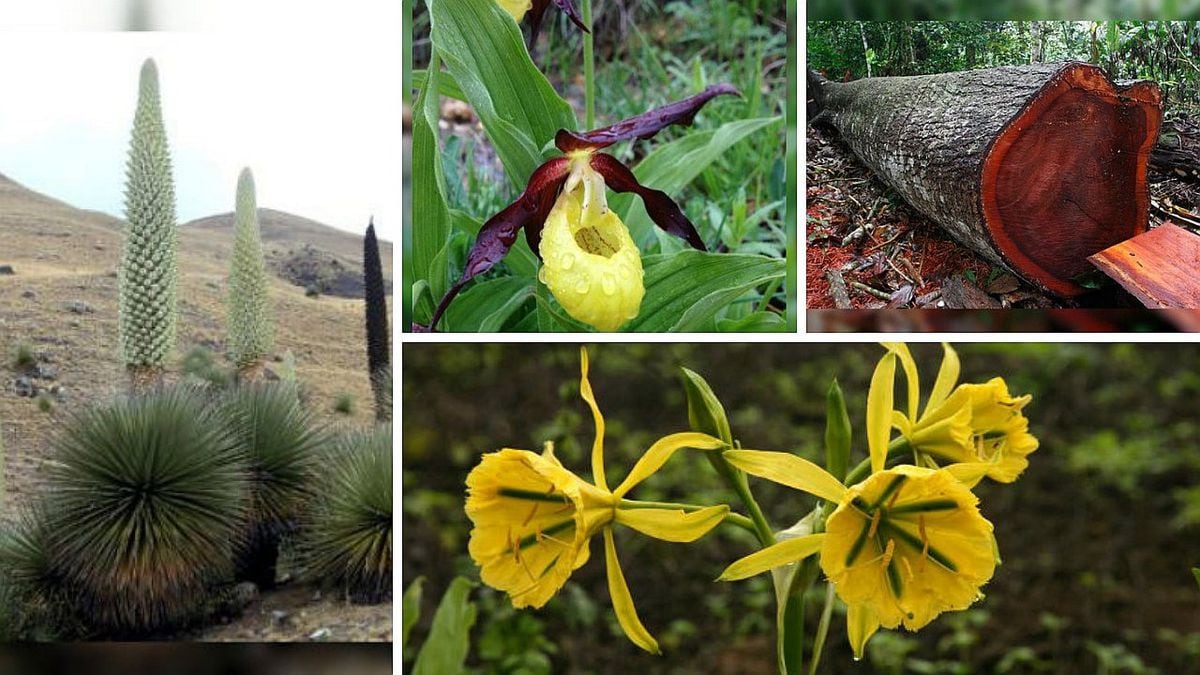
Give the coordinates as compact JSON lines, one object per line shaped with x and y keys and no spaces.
{"x":314,"y":256}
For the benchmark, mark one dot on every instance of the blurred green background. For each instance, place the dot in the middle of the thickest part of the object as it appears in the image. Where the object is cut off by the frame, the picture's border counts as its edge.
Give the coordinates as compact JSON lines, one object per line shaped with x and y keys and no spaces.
{"x":1098,"y":536}
{"x":877,"y":10}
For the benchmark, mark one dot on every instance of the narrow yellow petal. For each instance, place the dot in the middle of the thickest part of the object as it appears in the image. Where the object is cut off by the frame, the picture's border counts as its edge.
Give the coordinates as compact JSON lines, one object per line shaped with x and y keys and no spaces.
{"x":969,"y":473}
{"x":658,"y":454}
{"x":861,"y":624}
{"x":787,"y":469}
{"x":912,"y":379}
{"x":879,"y":410}
{"x":622,"y":601}
{"x":775,"y":555}
{"x":947,"y":377}
{"x":673,"y":525}
{"x":585,"y":391}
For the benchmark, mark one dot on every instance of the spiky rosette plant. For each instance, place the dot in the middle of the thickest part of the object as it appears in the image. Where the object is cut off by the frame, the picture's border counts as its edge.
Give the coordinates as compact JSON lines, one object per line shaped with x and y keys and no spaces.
{"x":379,"y":353}
{"x":34,"y":597}
{"x":350,"y":534}
{"x":251,"y":324}
{"x":148,"y":275}
{"x":280,"y":442}
{"x":146,"y":507}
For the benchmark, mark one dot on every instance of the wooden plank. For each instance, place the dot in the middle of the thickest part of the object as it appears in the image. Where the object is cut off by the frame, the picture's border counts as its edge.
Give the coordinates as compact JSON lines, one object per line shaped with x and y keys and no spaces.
{"x":1161,"y":268}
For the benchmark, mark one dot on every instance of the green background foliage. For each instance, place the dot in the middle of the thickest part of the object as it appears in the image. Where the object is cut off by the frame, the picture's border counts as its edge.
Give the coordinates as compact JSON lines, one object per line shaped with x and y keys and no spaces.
{"x":728,"y":172}
{"x":877,"y":10}
{"x":1098,"y":537}
{"x":1164,"y":51}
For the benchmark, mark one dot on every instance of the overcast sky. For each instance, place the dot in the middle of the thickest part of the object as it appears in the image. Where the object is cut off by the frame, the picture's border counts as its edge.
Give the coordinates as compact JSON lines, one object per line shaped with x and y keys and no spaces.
{"x":310,"y":99}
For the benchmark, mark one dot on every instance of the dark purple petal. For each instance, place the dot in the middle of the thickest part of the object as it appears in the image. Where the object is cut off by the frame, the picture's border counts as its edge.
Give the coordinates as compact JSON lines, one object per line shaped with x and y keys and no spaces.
{"x":642,"y":126}
{"x":663,"y":211}
{"x":500,"y":231}
{"x":538,"y":11}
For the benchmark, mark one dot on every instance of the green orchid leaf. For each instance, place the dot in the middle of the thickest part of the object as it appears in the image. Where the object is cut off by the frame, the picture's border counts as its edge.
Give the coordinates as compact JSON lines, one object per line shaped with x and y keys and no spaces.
{"x":672,"y":166}
{"x":485,"y":53}
{"x":447,"y":85}
{"x":837,"y":433}
{"x":445,"y":651}
{"x":488,"y":305}
{"x":755,"y":322}
{"x":410,"y":609}
{"x":430,"y":215}
{"x":688,"y":291}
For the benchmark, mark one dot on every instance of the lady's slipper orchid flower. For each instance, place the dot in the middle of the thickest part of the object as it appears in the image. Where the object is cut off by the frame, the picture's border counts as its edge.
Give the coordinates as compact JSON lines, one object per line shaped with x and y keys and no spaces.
{"x":901,"y":546}
{"x":518,"y":8}
{"x":534,"y":519}
{"x":967,"y":423}
{"x":590,"y":262}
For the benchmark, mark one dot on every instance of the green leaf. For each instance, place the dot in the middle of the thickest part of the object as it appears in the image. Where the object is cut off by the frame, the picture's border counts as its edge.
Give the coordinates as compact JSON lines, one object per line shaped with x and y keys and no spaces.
{"x":447,"y":85}
{"x":672,"y":166}
{"x":837,"y":433}
{"x":486,"y":54}
{"x":430,"y":215}
{"x":410,"y":609}
{"x":688,"y":290}
{"x":487,"y":305}
{"x":705,"y":412}
{"x":756,"y":322}
{"x":445,"y":652}
{"x":1196,"y":573}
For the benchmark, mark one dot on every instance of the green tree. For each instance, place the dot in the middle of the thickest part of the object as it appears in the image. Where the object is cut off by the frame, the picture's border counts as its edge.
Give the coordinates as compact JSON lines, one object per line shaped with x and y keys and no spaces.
{"x":251,"y":324}
{"x":148,"y":275}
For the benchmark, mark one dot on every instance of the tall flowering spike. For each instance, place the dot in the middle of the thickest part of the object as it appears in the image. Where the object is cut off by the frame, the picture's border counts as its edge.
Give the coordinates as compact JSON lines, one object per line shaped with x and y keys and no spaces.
{"x":148,"y":275}
{"x":251,"y":325}
{"x":379,"y":353}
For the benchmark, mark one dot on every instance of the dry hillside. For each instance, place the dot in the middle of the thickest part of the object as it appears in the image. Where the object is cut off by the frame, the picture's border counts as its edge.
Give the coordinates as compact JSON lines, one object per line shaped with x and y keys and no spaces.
{"x":61,"y":301}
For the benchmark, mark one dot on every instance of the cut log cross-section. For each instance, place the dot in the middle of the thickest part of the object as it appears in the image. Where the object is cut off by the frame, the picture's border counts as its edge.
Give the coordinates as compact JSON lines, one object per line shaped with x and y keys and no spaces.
{"x":1033,"y":167}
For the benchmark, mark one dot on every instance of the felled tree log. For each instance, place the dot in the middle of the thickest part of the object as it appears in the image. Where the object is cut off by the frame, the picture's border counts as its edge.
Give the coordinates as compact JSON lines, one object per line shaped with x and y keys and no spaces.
{"x":1033,"y":167}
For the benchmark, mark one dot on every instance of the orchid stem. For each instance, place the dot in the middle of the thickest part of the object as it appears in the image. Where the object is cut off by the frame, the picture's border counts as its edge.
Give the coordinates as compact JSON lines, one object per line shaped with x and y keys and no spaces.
{"x":732,"y":518}
{"x":589,"y":69}
{"x":895,"y":448}
{"x":822,"y":630}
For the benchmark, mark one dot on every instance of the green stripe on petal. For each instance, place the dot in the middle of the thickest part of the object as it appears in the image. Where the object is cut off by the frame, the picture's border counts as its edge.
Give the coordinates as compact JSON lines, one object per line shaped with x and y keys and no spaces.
{"x":787,"y":469}
{"x":622,"y":601}
{"x":673,"y":525}
{"x":660,"y":452}
{"x":912,"y":379}
{"x":776,"y":555}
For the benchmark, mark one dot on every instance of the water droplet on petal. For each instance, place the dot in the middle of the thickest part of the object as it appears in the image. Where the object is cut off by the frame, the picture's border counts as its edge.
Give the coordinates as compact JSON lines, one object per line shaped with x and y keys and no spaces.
{"x":582,"y":286}
{"x":567,"y":261}
{"x":542,"y":274}
{"x":608,"y":284}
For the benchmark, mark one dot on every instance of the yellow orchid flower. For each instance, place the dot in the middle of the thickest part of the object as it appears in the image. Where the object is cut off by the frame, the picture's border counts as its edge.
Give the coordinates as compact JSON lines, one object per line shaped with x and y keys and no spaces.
{"x":590,"y":262}
{"x":967,"y":423}
{"x":585,"y":247}
{"x":901,"y":546}
{"x":534,"y":519}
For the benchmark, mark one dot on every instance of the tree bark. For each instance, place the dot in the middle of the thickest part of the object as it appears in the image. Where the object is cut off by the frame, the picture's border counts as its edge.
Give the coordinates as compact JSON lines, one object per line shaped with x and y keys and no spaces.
{"x":1033,"y":167}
